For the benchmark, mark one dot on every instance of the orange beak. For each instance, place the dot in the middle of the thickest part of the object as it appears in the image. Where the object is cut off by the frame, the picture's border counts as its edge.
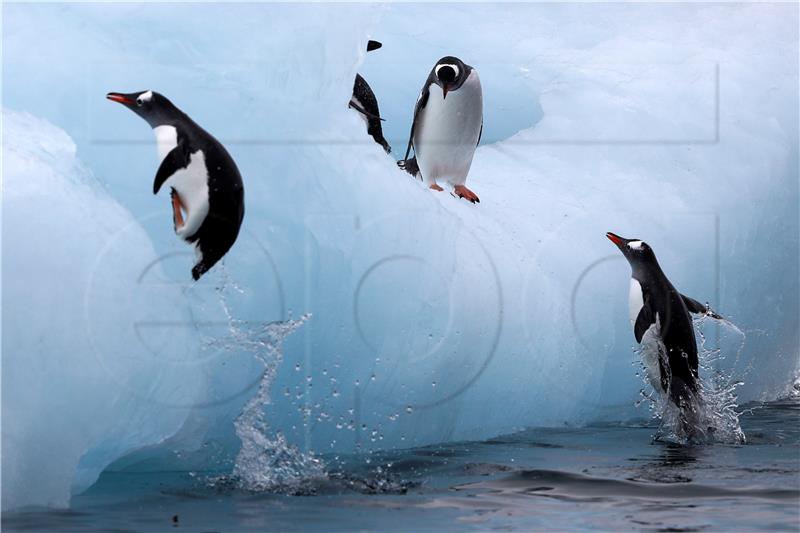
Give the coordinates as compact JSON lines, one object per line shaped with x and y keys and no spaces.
{"x":616,"y":239}
{"x":121,"y":98}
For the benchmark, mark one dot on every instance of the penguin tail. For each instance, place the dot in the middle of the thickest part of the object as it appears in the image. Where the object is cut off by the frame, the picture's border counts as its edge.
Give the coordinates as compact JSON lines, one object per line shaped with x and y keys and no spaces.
{"x":410,"y":166}
{"x":198,"y":270}
{"x":690,"y":406}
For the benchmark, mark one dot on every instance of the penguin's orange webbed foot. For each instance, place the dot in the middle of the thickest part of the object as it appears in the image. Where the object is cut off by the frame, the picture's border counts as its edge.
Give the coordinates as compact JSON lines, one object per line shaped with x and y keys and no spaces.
{"x":462,"y":192}
{"x":436,"y":187}
{"x":177,"y":215}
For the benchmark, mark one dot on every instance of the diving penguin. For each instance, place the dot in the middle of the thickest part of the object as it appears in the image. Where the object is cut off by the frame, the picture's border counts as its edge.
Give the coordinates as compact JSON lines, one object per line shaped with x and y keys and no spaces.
{"x":447,"y":127}
{"x":203,"y":179}
{"x":662,"y":325}
{"x":365,"y":102}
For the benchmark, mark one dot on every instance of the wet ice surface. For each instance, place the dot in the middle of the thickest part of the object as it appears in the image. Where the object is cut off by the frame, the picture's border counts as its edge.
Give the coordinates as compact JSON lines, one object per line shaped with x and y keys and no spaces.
{"x":601,"y":477}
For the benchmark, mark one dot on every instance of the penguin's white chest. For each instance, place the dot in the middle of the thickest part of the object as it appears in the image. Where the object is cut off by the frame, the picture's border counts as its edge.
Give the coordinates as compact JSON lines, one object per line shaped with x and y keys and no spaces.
{"x":166,"y":140}
{"x":635,"y":300}
{"x":191,"y":182}
{"x":447,"y":131}
{"x":652,"y":348}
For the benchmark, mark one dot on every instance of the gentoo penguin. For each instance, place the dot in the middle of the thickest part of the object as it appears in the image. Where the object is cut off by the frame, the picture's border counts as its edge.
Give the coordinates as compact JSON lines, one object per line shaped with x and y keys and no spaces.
{"x":663,"y":326}
{"x":447,"y":127}
{"x":365,"y":102}
{"x":202,"y":177}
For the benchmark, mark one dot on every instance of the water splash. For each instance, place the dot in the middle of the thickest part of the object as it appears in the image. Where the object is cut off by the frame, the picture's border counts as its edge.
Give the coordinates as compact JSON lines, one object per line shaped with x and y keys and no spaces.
{"x":794,"y":392}
{"x":711,"y":415}
{"x":266,"y":461}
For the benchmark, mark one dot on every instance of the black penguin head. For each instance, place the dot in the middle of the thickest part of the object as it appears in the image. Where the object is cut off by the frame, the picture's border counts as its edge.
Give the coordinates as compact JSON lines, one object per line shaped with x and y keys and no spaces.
{"x":450,"y":73}
{"x":155,"y":108}
{"x":636,"y":251}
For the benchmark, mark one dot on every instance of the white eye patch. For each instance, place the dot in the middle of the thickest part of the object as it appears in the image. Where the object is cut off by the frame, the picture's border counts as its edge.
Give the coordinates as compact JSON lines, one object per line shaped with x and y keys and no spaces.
{"x":635,"y":245}
{"x":454,"y":67}
{"x":146,"y":97}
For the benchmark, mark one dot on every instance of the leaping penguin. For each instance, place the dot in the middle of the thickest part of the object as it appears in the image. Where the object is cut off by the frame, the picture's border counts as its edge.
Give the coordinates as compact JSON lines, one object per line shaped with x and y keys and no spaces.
{"x":203,"y":179}
{"x":365,"y":102}
{"x":663,"y":326}
{"x":447,"y":127}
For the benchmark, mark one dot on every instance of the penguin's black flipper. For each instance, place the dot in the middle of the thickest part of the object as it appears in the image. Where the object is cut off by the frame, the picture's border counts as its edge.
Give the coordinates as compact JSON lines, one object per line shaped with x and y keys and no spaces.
{"x":421,"y":103}
{"x":696,"y":307}
{"x":373,"y":45}
{"x":365,"y":112}
{"x":645,"y":319}
{"x":177,"y":159}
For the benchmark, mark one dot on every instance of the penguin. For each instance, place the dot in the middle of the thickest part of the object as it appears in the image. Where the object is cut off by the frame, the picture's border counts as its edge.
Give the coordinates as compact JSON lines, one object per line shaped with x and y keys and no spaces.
{"x":365,"y":102}
{"x":204,"y":181}
{"x":447,"y":127}
{"x":662,"y":325}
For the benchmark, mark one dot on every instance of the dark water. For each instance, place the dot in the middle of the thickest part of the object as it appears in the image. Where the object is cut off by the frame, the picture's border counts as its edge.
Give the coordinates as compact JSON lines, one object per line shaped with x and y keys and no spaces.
{"x":603,"y":478}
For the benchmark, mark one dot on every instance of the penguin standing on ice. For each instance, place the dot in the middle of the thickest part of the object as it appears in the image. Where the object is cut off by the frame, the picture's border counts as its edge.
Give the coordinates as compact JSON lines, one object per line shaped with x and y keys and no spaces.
{"x":662,"y":325}
{"x":365,"y":102}
{"x":203,"y":179}
{"x":447,"y":127}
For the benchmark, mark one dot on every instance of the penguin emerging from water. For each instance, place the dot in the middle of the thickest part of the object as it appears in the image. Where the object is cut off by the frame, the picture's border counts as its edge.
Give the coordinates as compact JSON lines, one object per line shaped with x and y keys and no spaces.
{"x":365,"y":102}
{"x":203,"y":179}
{"x":662,"y":325}
{"x":447,"y":127}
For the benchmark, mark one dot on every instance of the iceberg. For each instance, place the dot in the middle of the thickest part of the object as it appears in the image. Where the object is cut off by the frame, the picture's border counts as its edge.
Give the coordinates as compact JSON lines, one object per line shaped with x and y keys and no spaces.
{"x":431,"y":320}
{"x":81,"y":388}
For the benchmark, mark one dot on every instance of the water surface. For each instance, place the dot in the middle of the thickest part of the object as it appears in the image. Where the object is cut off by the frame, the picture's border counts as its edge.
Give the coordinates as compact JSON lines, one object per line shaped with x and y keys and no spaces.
{"x":601,"y":477}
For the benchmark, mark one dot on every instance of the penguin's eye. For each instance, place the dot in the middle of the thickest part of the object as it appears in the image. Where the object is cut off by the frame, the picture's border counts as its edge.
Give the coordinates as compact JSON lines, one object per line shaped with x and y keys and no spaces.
{"x":139,"y":101}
